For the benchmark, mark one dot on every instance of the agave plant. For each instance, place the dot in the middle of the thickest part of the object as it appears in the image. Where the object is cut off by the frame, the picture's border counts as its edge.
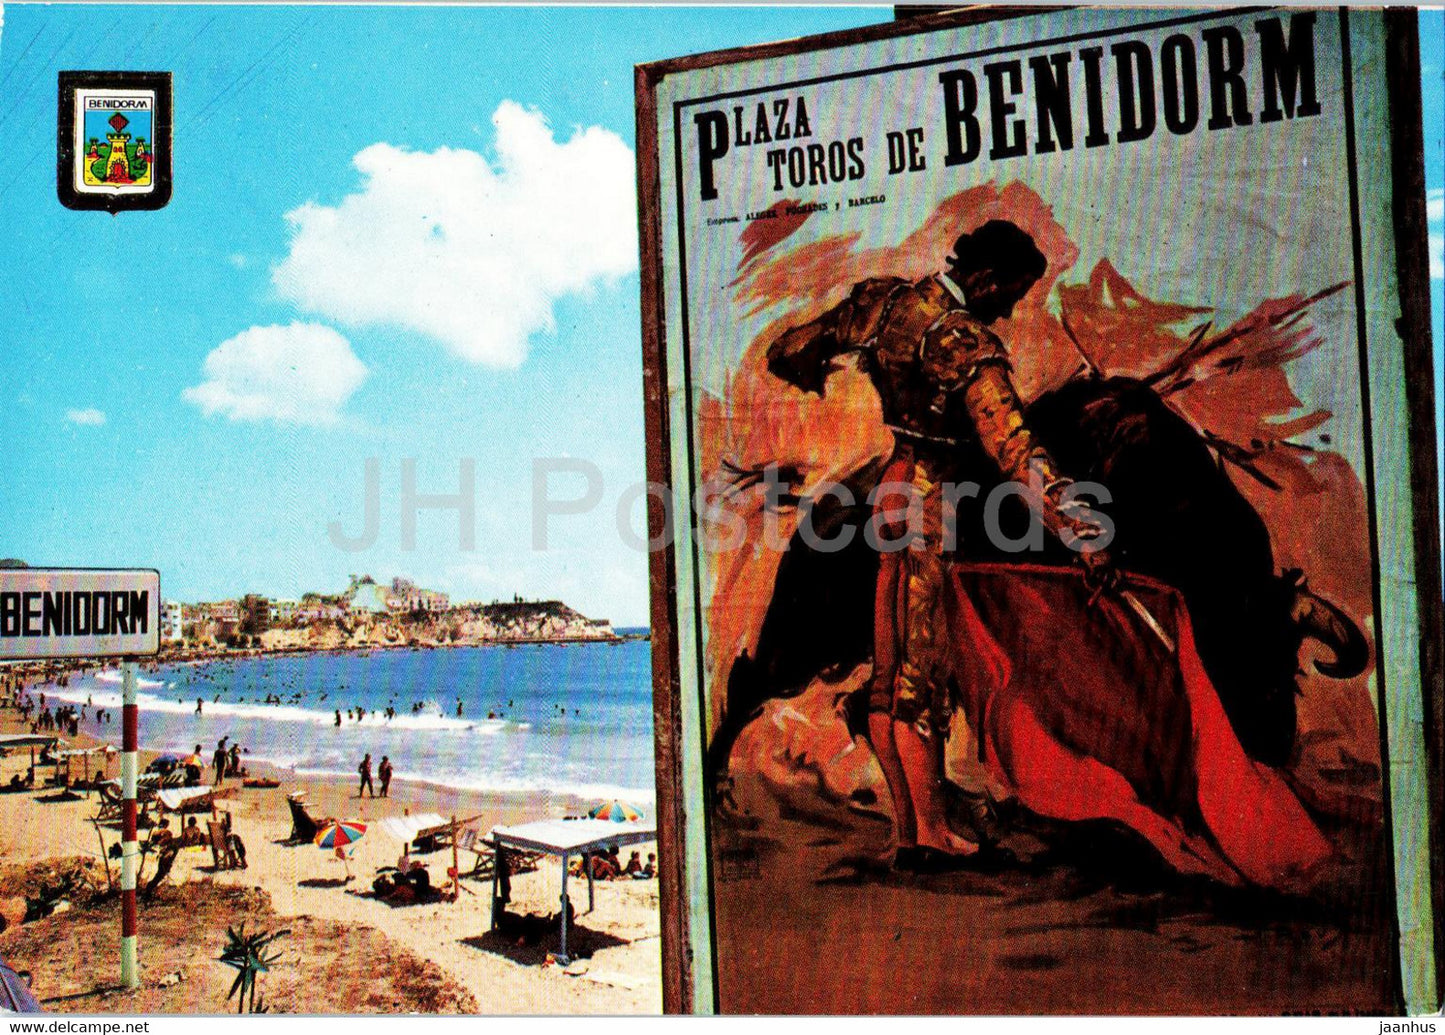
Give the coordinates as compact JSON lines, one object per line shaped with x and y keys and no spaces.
{"x":247,"y":954}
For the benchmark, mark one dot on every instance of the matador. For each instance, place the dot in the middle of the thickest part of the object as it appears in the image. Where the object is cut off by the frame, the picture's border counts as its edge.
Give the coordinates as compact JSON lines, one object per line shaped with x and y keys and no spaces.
{"x":944,"y":381}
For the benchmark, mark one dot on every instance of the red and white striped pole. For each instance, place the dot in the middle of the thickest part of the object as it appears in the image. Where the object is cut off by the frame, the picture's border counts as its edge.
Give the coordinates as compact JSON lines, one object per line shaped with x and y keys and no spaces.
{"x":129,"y":849}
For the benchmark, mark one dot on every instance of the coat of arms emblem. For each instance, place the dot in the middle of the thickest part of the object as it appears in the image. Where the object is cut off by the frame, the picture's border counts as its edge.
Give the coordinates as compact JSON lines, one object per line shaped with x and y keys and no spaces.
{"x":114,"y":140}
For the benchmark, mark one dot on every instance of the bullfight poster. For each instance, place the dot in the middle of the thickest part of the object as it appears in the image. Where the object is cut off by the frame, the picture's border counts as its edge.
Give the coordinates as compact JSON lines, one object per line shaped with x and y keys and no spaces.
{"x":1045,"y":594}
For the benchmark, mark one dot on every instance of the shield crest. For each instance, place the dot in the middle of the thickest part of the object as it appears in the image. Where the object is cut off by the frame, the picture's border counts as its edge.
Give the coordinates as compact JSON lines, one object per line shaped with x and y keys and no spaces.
{"x":114,"y":140}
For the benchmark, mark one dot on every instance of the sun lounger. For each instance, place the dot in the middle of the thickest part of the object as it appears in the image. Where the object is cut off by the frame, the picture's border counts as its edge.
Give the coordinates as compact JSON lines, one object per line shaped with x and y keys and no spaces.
{"x":186,"y":799}
{"x":426,"y":832}
{"x":474,"y":840}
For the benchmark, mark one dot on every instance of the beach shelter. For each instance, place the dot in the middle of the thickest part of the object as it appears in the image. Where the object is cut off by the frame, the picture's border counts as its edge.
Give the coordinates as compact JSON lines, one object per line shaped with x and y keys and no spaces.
{"x":565,"y":838}
{"x":10,"y":741}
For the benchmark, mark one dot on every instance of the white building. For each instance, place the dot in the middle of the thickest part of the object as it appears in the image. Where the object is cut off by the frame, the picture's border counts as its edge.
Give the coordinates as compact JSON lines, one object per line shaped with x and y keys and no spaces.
{"x":172,"y":616}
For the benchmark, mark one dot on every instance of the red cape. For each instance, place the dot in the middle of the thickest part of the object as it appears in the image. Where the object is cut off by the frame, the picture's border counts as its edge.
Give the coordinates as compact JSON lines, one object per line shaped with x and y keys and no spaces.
{"x":1082,"y":712}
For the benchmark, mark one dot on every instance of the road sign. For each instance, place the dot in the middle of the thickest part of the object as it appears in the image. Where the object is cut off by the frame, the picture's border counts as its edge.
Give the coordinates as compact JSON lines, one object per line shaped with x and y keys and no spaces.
{"x":79,"y":612}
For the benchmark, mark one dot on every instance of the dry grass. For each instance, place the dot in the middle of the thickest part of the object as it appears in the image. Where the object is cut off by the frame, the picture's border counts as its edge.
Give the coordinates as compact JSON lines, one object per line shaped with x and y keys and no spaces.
{"x":325,"y":967}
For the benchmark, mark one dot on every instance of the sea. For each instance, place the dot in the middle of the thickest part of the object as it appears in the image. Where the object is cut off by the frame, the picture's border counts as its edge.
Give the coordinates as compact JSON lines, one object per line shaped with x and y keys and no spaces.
{"x":558,"y":718}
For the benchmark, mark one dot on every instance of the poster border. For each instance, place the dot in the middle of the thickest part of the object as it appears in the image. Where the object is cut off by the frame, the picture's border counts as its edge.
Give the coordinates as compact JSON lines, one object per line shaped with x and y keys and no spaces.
{"x":1407,"y":168}
{"x":1406,"y":162}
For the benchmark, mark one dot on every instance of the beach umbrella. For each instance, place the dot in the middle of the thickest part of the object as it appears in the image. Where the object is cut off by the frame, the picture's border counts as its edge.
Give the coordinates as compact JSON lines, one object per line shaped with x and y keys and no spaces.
{"x":616,"y":812}
{"x":340,"y":833}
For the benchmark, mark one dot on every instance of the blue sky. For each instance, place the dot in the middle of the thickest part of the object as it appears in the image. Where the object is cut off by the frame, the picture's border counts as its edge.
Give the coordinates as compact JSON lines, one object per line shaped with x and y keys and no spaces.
{"x":1432,"y":82}
{"x":154,"y":410}
{"x":432,"y":209}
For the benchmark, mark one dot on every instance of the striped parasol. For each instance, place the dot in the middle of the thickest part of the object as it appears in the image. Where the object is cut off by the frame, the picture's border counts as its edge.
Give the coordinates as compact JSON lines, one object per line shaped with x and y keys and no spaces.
{"x":616,"y":812}
{"x":339,"y":836}
{"x":340,"y":833}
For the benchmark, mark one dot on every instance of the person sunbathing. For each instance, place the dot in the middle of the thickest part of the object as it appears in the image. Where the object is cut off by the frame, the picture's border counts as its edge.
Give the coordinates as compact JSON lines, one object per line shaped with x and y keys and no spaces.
{"x":192,"y":834}
{"x":603,"y":868}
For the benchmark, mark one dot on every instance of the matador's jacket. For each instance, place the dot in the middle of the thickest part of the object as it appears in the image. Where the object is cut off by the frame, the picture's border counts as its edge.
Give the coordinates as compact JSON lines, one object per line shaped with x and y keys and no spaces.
{"x":944,"y":382}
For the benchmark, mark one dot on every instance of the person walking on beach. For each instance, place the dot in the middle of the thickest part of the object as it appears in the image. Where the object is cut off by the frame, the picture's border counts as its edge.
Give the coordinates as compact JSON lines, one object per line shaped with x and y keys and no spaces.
{"x":219,"y":760}
{"x":364,"y":771}
{"x":384,"y":771}
{"x":198,"y":706}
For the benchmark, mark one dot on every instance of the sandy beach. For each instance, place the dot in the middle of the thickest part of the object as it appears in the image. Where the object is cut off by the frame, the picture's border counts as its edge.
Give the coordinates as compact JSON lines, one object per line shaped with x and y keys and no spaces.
{"x":452,"y":961}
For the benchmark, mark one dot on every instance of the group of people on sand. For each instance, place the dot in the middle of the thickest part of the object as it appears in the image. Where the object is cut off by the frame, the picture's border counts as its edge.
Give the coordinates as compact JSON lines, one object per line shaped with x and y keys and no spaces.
{"x":63,"y":719}
{"x":608,"y":865}
{"x":166,"y":845}
{"x":383,"y":773}
{"x":408,"y":882}
{"x":225,"y":761}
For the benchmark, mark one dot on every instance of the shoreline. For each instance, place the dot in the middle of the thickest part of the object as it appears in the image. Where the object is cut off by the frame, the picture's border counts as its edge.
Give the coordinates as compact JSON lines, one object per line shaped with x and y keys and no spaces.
{"x":304,"y":881}
{"x":25,"y":671}
{"x":202,"y":655}
{"x":45,"y":678}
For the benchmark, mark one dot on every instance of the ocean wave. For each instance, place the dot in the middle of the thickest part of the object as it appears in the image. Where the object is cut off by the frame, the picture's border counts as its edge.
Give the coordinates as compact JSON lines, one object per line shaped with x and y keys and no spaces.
{"x":281,"y":712}
{"x":112,"y":675}
{"x":636,"y":796}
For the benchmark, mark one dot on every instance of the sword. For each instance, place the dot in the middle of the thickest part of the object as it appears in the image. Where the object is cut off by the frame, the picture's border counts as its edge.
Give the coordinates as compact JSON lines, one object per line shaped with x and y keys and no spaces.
{"x":1137,"y":606}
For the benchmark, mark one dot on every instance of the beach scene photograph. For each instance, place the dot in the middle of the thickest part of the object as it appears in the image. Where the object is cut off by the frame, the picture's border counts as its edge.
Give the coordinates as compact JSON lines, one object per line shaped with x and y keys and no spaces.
{"x":362,"y":404}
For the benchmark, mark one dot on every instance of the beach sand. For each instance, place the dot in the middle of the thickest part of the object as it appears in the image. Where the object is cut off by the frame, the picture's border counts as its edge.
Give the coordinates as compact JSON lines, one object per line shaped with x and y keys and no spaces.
{"x":619,"y":939}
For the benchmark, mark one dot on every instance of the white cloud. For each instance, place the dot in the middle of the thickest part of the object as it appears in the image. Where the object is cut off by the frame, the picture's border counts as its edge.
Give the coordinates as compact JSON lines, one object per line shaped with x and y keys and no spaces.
{"x":90,"y":417}
{"x":471,"y":254}
{"x":301,"y":373}
{"x":1435,"y":205}
{"x":1437,"y":256}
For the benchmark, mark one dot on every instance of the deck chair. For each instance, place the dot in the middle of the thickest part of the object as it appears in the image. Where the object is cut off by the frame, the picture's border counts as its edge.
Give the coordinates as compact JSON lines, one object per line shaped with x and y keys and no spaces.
{"x":474,"y":840}
{"x":303,"y":827}
{"x":111,"y":801}
{"x":222,"y":853}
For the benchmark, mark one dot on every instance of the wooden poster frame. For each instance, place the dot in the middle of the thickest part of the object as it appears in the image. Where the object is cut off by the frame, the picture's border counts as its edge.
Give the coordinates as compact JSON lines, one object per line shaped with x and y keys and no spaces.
{"x":1410,"y":239}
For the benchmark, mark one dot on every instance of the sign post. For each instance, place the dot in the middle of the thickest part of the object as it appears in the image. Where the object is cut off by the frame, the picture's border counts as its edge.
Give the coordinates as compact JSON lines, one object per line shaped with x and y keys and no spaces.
{"x":48,"y":613}
{"x":130,"y":847}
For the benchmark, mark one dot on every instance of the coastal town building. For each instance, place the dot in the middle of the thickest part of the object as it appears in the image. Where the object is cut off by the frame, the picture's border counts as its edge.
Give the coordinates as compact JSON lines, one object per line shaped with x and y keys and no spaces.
{"x":172,"y":621}
{"x":406,"y":595}
{"x":364,"y":596}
